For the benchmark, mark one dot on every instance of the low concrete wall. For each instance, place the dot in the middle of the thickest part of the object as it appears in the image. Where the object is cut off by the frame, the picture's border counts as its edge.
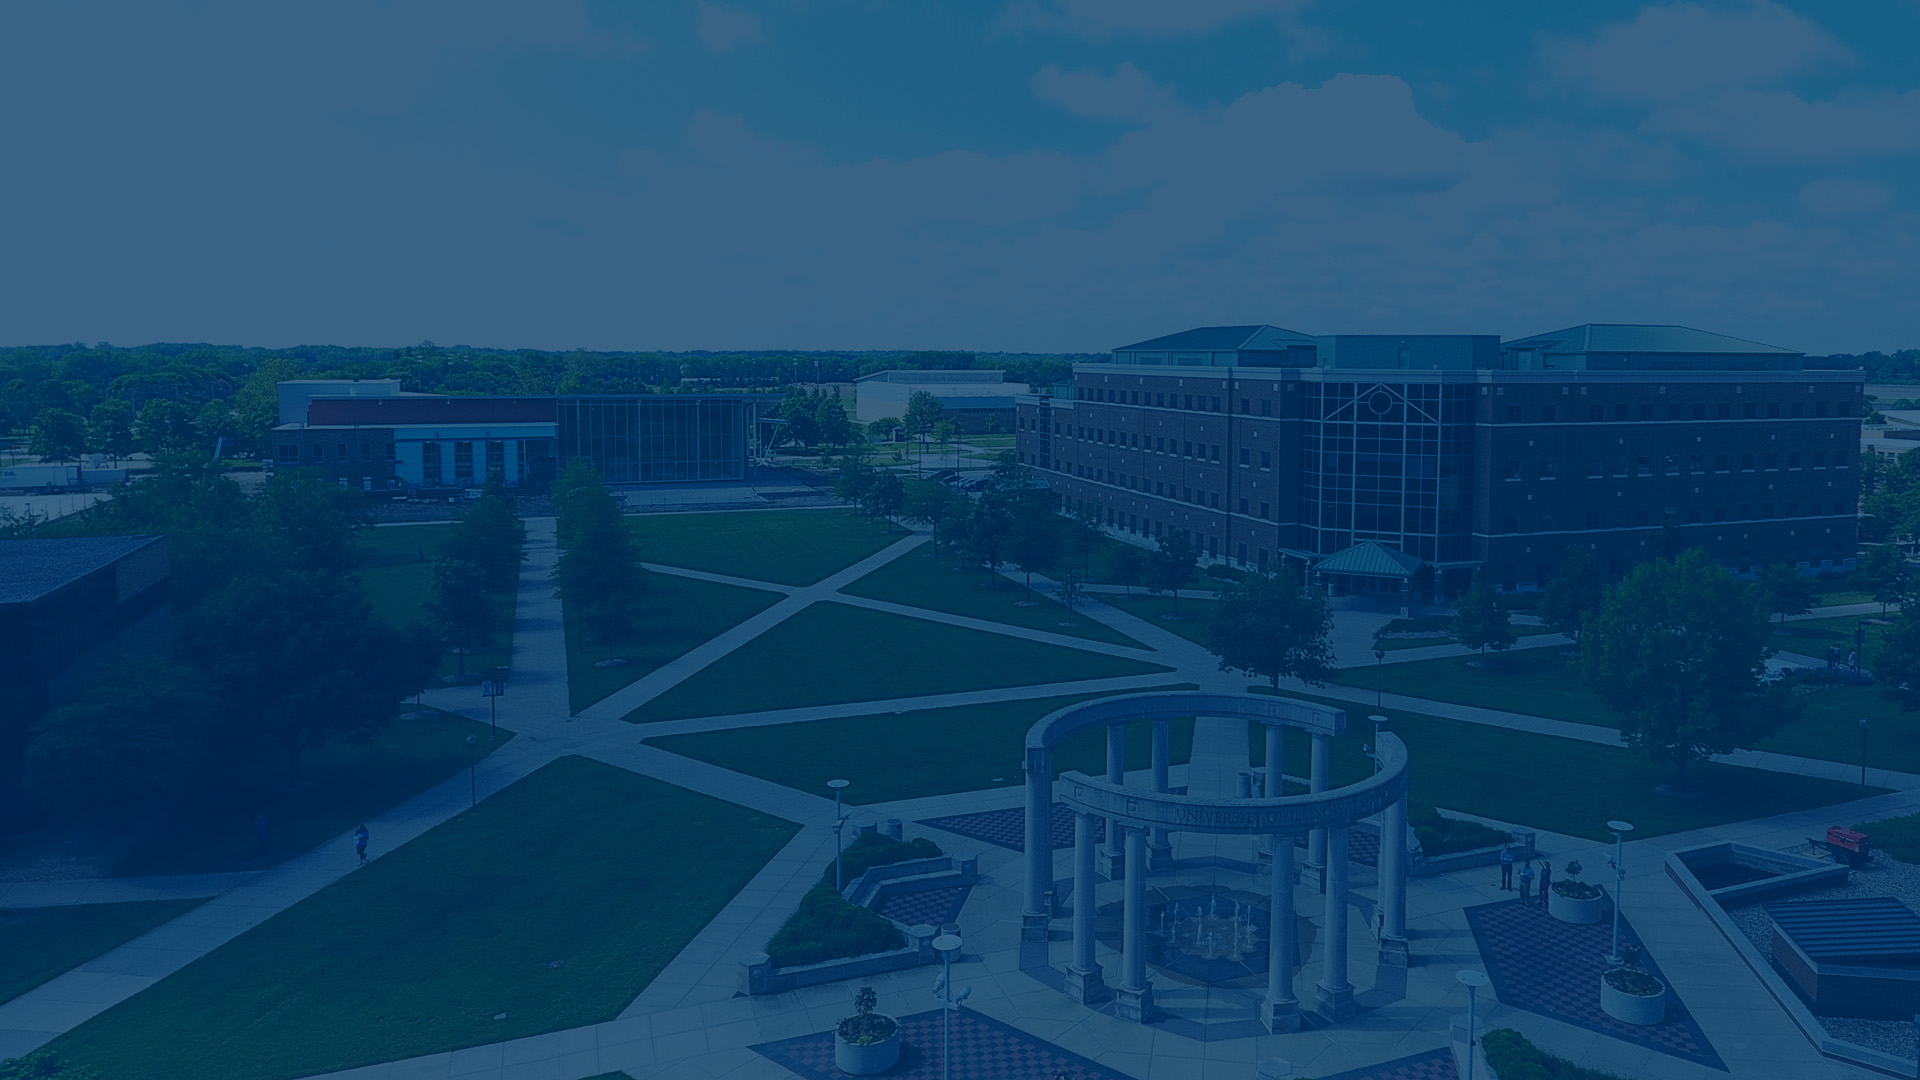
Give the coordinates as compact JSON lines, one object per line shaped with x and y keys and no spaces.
{"x":1425,"y":865}
{"x":759,"y":976}
{"x":1803,"y":1018}
{"x":1792,"y":873}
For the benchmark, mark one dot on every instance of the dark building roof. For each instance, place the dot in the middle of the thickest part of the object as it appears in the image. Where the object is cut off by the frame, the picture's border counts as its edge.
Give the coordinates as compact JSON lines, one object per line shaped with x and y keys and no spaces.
{"x":1221,"y":339}
{"x":1871,"y":930}
{"x":31,"y":569}
{"x":323,"y":411}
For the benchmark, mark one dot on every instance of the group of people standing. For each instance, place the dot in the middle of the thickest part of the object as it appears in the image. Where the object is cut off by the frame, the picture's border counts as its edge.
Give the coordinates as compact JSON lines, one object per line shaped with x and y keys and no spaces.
{"x":1528,"y":888}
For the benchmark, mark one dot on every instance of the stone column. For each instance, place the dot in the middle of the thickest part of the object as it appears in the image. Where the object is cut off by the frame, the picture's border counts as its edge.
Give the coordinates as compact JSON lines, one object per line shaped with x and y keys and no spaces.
{"x":1333,"y":991}
{"x":1320,"y":768}
{"x":1276,"y":762}
{"x":1112,"y":859}
{"x":1280,"y":1010}
{"x":1134,"y":996}
{"x":1159,"y":843}
{"x":1037,"y":912}
{"x":1393,"y":883}
{"x":1084,"y":984}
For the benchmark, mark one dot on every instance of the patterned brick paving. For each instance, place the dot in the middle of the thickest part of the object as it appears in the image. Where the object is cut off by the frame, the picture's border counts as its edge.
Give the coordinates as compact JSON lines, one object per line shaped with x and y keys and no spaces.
{"x":932,"y":907}
{"x":1432,"y":1065}
{"x":1363,"y":846}
{"x":1546,"y":966}
{"x":983,"y":1049}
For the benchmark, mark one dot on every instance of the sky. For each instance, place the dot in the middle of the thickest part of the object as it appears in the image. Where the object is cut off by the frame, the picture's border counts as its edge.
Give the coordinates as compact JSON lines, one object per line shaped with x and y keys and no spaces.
{"x":995,"y":175}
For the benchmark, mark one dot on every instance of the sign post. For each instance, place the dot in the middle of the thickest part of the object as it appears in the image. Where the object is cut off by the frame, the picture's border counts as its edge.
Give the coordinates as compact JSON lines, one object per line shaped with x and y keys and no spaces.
{"x":492,"y":690}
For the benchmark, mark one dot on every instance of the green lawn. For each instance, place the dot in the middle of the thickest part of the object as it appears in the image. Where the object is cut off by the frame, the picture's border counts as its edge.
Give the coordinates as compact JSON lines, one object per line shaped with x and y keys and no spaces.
{"x":924,"y":579}
{"x":831,"y":653}
{"x":37,"y":944}
{"x":678,"y":614}
{"x":550,"y":906}
{"x":1810,"y":637}
{"x":396,"y":566}
{"x":1896,"y":837}
{"x":1561,"y":785}
{"x":341,"y":785}
{"x":791,"y":547}
{"x":1196,"y":611}
{"x":1540,"y":682}
{"x":915,"y":754}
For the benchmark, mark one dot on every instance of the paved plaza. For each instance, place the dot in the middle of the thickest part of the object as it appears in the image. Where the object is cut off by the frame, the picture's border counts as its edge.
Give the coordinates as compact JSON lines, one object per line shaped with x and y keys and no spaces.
{"x":690,"y":1022}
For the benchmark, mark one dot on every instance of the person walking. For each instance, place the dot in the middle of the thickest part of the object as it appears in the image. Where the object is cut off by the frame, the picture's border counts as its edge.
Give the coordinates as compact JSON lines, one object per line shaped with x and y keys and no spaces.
{"x":1506,"y":868}
{"x":1526,"y":883}
{"x":1853,"y":661}
{"x":360,"y":843}
{"x":1546,"y":878}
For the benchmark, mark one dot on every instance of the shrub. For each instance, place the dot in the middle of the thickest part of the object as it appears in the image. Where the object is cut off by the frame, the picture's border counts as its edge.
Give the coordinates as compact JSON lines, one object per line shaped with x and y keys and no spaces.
{"x":1514,"y":1058}
{"x":1444,"y":835}
{"x":874,"y":849}
{"x":827,"y":927}
{"x":43,"y":1065}
{"x":1633,"y":981}
{"x":1897,"y":837}
{"x":865,"y":1026}
{"x":1572,"y":887}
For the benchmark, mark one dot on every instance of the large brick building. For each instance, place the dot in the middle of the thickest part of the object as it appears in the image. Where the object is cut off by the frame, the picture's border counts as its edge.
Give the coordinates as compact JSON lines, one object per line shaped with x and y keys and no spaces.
{"x":1388,"y":462}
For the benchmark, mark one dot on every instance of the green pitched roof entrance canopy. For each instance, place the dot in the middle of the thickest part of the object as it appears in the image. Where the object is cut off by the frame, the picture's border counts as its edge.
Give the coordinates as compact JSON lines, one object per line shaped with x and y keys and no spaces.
{"x":1372,"y":559}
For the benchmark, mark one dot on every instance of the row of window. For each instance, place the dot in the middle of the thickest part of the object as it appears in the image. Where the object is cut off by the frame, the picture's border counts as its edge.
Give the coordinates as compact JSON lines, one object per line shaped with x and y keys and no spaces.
{"x":1617,"y":519}
{"x":1149,"y":399}
{"x":289,"y":453}
{"x":1698,"y":410}
{"x":1671,"y":464}
{"x":1140,"y":526}
{"x":1147,"y":444}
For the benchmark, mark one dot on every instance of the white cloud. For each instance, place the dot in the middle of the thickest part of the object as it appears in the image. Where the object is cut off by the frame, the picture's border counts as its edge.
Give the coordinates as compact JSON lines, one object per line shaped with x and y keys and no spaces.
{"x":1684,"y":51}
{"x":1128,"y":94}
{"x":1834,"y":197}
{"x":1779,"y":124}
{"x":722,"y":28}
{"x":1144,"y":17}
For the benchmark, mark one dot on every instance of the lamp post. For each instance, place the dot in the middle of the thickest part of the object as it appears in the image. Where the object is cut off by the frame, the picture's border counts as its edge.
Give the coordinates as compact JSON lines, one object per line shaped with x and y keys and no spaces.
{"x":1379,"y":674}
{"x":1620,"y":831}
{"x":1865,"y":724}
{"x":948,"y":946}
{"x":473,"y":785}
{"x":1473,"y":981}
{"x":839,"y":821}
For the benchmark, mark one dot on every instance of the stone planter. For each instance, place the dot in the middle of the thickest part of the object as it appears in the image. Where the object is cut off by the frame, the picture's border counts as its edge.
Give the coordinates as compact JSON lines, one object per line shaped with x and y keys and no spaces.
{"x":1642,"y":1009}
{"x":1581,"y":912}
{"x":867,"y":1059}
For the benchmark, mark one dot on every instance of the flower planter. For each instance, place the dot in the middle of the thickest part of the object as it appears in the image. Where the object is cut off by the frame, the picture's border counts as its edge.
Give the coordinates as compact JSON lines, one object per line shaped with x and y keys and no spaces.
{"x":1573,"y":910}
{"x":867,"y":1059}
{"x":1633,"y":1008}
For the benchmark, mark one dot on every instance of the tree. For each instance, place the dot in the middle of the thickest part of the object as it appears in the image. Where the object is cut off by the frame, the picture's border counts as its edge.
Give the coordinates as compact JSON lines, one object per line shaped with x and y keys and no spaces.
{"x":1479,"y":620}
{"x":162,"y":425}
{"x":885,"y":429}
{"x":933,"y":505}
{"x":1084,"y":535}
{"x":216,"y":425}
{"x":1069,"y":591}
{"x":944,"y":432}
{"x":886,"y":495}
{"x":57,"y":434}
{"x":575,"y":483}
{"x":1786,"y":590}
{"x":1575,"y":594}
{"x":1896,"y":665}
{"x":138,"y":734}
{"x":1884,"y":570}
{"x":44,"y":1064}
{"x":923,"y":412}
{"x":1128,"y":565}
{"x":110,"y":429}
{"x":599,"y":575}
{"x":1172,"y":564}
{"x":491,"y":536}
{"x":1679,"y":652}
{"x":830,"y":416}
{"x":1268,"y":626}
{"x":315,"y":518}
{"x":1034,"y":541}
{"x":298,"y":658}
{"x":988,"y":524}
{"x":461,"y":607}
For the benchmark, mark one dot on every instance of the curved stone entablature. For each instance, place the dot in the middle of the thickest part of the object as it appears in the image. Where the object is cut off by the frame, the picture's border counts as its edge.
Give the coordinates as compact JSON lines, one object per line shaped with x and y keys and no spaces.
{"x":1291,"y":815}
{"x":1047,"y":732}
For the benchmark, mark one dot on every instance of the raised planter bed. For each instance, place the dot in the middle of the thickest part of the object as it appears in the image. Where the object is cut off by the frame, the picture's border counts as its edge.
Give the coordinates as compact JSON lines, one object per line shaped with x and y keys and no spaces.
{"x":1579,"y":910}
{"x":759,"y":976}
{"x":1632,"y":996}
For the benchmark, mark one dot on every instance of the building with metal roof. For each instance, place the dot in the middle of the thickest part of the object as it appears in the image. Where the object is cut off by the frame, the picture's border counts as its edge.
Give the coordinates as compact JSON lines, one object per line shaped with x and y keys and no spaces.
{"x":977,"y":399}
{"x":1851,"y":957}
{"x":1636,"y":347}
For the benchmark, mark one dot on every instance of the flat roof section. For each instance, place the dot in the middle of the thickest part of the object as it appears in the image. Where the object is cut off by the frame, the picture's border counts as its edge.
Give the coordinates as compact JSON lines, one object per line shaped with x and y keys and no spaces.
{"x":31,"y":569}
{"x":1869,"y":930}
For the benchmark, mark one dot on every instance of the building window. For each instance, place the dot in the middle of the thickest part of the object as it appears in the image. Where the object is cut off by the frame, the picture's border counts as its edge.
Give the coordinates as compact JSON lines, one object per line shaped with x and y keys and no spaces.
{"x":1619,"y":465}
{"x":1643,"y":465}
{"x":1243,"y":557}
{"x":1215,"y":500}
{"x":1799,"y":409}
{"x":288,"y":454}
{"x":1696,"y":464}
{"x":1819,"y":408}
{"x":1839,"y":458}
{"x":496,"y":459}
{"x":1749,"y":410}
{"x":1266,"y":409}
{"x":1216,"y":452}
{"x":1623,"y":412}
{"x":1546,"y":522}
{"x":1819,"y":459}
{"x":1246,"y":406}
{"x":1719,"y":513}
{"x":1699,"y":410}
{"x":1719,"y":463}
{"x":1547,"y":412}
{"x":366,"y":451}
{"x":1641,"y":517}
{"x":1746,"y":462}
{"x":1746,"y":511}
{"x":1772,"y":461}
{"x":1616,"y":519}
{"x":463,"y":462}
{"x":1509,"y":524}
{"x":1593,"y":519}
{"x":430,"y":474}
{"x":1513,"y":414}
{"x":1773,"y":410}
{"x":1646,"y":412}
{"x":340,"y":452}
{"x":1674,"y":410}
{"x":1243,"y":509}
{"x":1723,"y":411}
{"x":1693,"y":515}
{"x":1266,"y":512}
{"x":1766,"y":510}
{"x":1546,"y":469}
{"x":1246,"y":457}
{"x":1266,"y":459}
{"x":1793,"y":509}
{"x":1189,"y":401}
{"x":1188,"y":448}
{"x":1216,"y":405}
{"x":1512,"y":470}
{"x":1793,"y":459}
{"x":1596,"y":412}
